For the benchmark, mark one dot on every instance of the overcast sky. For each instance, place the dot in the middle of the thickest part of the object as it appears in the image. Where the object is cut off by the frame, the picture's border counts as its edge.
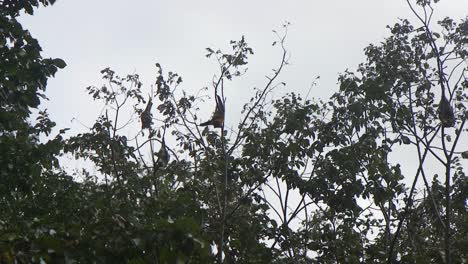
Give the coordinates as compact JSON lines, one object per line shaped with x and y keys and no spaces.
{"x":326,"y":37}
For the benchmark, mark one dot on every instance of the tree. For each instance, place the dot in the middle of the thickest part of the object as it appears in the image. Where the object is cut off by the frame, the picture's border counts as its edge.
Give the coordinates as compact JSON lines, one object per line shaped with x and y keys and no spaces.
{"x":400,"y":86}
{"x":298,"y":180}
{"x":24,"y":77}
{"x":28,"y":164}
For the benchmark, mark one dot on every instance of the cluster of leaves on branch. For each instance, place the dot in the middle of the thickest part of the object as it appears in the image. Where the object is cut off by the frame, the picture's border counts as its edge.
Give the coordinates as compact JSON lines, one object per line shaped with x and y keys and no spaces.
{"x":297,"y":180}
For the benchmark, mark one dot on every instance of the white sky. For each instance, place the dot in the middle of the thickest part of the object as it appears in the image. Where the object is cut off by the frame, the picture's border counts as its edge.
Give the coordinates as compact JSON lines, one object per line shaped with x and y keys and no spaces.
{"x":326,"y":37}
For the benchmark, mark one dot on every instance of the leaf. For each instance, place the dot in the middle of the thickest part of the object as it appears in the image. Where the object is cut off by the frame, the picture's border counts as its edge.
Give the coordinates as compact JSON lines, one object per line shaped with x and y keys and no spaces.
{"x":60,"y":63}
{"x":405,"y":140}
{"x":465,"y":154}
{"x":28,"y":9}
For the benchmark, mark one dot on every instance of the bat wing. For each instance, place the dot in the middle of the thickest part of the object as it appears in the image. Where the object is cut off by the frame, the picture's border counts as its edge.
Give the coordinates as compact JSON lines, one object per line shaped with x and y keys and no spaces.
{"x":207,"y":123}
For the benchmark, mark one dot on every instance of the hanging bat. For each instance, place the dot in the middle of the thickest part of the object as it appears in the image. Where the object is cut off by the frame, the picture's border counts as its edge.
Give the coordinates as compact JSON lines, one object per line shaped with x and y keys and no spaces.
{"x":146,"y":117}
{"x":162,"y":155}
{"x":217,"y":120}
{"x":446,"y":115}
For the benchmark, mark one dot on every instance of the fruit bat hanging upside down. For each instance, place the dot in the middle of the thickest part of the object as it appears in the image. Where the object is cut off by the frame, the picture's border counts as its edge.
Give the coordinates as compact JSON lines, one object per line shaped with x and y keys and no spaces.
{"x":146,"y":117}
{"x":162,"y":155}
{"x":217,"y":120}
{"x":446,"y":115}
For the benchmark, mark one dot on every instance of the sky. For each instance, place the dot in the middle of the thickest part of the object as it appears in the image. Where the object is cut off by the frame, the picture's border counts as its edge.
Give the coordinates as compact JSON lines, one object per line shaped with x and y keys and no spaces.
{"x":324,"y":39}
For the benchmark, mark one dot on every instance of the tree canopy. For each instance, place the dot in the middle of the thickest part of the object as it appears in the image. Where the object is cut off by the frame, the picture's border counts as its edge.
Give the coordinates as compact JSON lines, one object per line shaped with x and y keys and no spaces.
{"x":297,"y":180}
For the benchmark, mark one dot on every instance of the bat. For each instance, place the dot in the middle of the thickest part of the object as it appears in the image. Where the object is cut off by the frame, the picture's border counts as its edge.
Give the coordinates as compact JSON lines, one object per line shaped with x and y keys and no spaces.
{"x":146,"y":117}
{"x":217,"y":120}
{"x":446,"y":115}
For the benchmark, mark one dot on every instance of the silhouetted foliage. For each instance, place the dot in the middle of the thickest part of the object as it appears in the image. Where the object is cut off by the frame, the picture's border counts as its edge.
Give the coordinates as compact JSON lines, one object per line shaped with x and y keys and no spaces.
{"x":298,"y":180}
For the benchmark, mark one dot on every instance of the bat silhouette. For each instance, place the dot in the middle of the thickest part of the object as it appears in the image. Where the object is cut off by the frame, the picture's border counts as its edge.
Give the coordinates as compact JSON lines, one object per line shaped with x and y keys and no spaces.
{"x":217,"y":120}
{"x":146,"y":117}
{"x":446,"y":115}
{"x":162,"y":155}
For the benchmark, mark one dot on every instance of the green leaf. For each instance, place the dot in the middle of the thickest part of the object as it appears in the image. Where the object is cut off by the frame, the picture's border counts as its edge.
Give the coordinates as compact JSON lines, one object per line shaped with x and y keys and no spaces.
{"x":405,"y":140}
{"x":60,"y":63}
{"x":465,"y":154}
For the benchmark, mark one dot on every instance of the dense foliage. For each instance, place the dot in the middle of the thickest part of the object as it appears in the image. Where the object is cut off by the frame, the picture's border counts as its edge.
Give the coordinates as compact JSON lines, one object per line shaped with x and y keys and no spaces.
{"x":297,"y":181}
